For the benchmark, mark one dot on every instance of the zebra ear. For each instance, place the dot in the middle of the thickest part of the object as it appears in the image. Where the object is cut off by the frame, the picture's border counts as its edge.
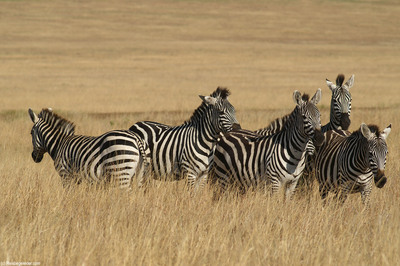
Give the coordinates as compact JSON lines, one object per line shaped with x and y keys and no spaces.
{"x":386,"y":132}
{"x":331,"y":86}
{"x":208,"y":100}
{"x":317,"y":97}
{"x":365,"y":131}
{"x":33,"y":116}
{"x":297,"y":97}
{"x":349,"y":83}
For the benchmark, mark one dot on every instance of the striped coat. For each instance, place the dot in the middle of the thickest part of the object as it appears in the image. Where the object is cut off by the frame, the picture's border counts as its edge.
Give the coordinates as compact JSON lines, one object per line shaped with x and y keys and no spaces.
{"x":350,"y":162}
{"x":246,"y":160}
{"x":117,"y":155}
{"x":186,"y":151}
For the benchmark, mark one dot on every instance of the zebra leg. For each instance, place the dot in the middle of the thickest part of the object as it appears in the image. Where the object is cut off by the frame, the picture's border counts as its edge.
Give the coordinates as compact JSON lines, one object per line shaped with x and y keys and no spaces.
{"x":275,"y":186}
{"x":290,"y":189}
{"x":220,"y":186}
{"x":143,"y":171}
{"x":67,"y":179}
{"x":191,"y":180}
{"x":306,"y":180}
{"x":218,"y":192}
{"x":124,"y":181}
{"x":365,"y":193}
{"x":323,"y":192}
{"x":341,"y":194}
{"x":197,"y":182}
{"x":202,"y":181}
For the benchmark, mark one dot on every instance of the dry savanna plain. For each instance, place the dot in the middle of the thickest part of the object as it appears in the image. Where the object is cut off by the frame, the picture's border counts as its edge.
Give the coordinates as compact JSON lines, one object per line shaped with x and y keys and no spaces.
{"x":105,"y":65}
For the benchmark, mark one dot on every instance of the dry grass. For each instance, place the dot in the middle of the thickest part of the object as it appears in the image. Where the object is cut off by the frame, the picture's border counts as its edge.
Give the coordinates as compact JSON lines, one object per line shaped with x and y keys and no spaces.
{"x":105,"y":66}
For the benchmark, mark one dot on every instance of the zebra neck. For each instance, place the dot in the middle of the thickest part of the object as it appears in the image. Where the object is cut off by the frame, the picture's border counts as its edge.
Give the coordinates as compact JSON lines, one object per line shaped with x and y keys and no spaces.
{"x":53,"y":143}
{"x":202,"y":122}
{"x":357,"y":147}
{"x":293,"y":129}
{"x":329,"y":126}
{"x":334,"y":122}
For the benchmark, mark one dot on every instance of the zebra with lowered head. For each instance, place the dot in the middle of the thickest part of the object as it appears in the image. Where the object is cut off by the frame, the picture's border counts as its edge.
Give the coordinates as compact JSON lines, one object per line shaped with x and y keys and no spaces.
{"x":248,"y":160}
{"x":186,"y":151}
{"x":117,"y":154}
{"x":348,"y":162}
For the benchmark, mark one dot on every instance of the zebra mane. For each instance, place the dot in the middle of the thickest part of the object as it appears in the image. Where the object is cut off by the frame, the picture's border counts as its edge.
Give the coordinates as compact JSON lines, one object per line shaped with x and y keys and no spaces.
{"x":339,"y":80}
{"x":197,"y":113}
{"x":280,"y":123}
{"x":57,"y":122}
{"x":305,"y":97}
{"x":221,"y":92}
{"x":287,"y":119}
{"x":274,"y":127}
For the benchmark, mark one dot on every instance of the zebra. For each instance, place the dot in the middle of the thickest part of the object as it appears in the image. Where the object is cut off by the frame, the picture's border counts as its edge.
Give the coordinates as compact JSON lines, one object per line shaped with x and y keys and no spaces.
{"x":118,"y":154}
{"x":339,"y":118}
{"x":347,"y":162}
{"x":246,"y":159}
{"x":186,"y":151}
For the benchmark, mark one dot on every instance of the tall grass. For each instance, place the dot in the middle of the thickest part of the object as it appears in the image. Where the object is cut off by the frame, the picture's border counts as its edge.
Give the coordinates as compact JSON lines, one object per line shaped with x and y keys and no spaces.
{"x":107,"y":65}
{"x":41,"y":221}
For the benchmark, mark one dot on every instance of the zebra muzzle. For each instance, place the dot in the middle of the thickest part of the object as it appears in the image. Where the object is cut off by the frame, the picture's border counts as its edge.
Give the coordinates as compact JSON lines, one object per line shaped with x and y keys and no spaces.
{"x":345,"y":121}
{"x":380,"y":179}
{"x":37,"y":157}
{"x":319,"y":138}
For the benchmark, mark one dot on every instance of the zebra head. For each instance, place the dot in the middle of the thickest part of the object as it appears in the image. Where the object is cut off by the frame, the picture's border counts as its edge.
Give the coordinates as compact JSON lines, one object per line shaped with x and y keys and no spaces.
{"x":377,"y":151}
{"x":311,"y":118}
{"x":222,"y":111}
{"x":341,"y":102}
{"x":38,"y":146}
{"x":47,"y":126}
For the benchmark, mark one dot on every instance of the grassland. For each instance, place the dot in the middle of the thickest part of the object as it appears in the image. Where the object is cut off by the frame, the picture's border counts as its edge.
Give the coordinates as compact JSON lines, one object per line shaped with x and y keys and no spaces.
{"x":107,"y":65}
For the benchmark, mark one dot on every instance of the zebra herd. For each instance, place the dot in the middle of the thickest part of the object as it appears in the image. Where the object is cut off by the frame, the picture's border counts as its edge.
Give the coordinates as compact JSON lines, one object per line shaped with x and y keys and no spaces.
{"x":211,"y":146}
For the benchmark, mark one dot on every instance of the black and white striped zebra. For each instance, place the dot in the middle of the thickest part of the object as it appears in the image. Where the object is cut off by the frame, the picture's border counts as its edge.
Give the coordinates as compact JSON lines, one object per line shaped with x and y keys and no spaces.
{"x":339,"y":118}
{"x":348,"y":162}
{"x":117,"y":154}
{"x":247,"y":160}
{"x":186,"y":151}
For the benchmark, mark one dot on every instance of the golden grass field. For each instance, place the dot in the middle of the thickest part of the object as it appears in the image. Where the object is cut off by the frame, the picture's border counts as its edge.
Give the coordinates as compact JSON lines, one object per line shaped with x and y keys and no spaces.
{"x":107,"y":65}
